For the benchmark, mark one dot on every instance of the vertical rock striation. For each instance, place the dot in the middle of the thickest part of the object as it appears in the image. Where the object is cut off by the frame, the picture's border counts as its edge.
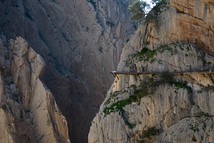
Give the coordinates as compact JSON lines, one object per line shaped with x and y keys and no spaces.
{"x":163,"y":87}
{"x":28,"y":110}
{"x":81,"y":41}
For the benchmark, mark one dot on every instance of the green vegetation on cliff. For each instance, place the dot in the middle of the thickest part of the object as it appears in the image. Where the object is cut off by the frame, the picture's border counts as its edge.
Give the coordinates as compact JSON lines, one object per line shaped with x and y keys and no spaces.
{"x":140,"y":8}
{"x":145,"y":88}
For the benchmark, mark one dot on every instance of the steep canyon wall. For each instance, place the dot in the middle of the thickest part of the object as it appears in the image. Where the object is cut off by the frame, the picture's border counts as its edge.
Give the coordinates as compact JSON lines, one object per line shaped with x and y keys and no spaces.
{"x":163,"y":87}
{"x":80,"y":41}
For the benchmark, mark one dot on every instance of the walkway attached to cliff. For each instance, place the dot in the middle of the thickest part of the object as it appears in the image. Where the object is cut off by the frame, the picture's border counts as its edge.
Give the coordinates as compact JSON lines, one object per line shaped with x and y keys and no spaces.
{"x":115,"y":73}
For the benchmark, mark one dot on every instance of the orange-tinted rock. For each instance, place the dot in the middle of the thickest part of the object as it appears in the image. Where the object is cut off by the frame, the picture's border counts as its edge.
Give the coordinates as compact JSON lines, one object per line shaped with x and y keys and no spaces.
{"x":173,"y":101}
{"x":188,"y":21}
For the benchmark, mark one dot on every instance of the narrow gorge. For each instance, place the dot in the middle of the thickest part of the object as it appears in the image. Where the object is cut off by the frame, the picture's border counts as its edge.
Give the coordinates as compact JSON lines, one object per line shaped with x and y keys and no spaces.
{"x":78,"y":71}
{"x":80,"y":42}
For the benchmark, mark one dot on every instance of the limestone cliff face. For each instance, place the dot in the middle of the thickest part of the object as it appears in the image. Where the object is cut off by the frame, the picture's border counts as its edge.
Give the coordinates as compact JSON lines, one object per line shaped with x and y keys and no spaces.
{"x":172,"y":100}
{"x":28,"y":111}
{"x":81,"y":41}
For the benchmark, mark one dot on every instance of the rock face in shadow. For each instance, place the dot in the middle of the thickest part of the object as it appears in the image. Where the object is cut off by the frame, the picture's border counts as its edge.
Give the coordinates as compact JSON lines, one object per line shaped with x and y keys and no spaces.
{"x":81,"y":42}
{"x":172,"y":101}
{"x":28,"y":110}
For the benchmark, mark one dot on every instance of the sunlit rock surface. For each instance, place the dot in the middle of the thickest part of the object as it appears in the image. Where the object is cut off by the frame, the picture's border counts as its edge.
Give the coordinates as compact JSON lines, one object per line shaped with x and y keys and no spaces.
{"x":80,"y":41}
{"x":28,"y":111}
{"x":172,"y":101}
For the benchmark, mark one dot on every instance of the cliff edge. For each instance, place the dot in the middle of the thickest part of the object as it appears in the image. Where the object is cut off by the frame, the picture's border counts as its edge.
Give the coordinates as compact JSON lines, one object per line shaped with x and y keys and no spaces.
{"x":164,"y":84}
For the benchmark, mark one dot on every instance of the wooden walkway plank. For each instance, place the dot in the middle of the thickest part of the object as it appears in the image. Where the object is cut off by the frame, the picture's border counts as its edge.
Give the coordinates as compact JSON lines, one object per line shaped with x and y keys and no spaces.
{"x":174,"y":72}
